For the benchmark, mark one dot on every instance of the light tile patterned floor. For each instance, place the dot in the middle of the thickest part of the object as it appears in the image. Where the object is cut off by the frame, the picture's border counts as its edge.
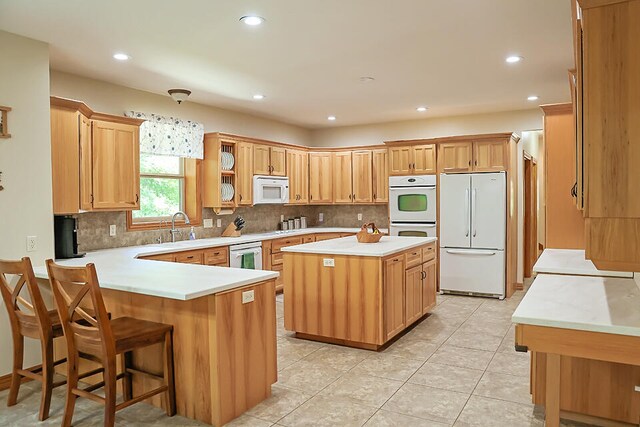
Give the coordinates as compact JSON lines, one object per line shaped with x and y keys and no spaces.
{"x":456,"y":367}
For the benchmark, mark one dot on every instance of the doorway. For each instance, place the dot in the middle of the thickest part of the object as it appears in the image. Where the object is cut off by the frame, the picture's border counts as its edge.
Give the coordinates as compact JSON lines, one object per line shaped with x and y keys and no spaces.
{"x":530,"y":194}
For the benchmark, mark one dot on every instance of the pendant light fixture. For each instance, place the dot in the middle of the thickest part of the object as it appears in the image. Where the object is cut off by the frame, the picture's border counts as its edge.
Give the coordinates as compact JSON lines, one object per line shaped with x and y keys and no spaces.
{"x":179,"y":95}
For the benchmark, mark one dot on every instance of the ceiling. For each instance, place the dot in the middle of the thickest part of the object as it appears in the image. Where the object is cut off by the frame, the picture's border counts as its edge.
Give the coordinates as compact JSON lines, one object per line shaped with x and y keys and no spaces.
{"x":308,"y":56}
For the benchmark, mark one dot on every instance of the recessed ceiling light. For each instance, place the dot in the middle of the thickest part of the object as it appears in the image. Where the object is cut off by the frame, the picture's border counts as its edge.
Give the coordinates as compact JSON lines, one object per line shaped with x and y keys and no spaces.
{"x":513,"y":59}
{"x":252,"y":20}
{"x":258,"y":96}
{"x":532,"y":98}
{"x":367,"y":79}
{"x":421,"y":109}
{"x":331,"y":118}
{"x":121,"y":56}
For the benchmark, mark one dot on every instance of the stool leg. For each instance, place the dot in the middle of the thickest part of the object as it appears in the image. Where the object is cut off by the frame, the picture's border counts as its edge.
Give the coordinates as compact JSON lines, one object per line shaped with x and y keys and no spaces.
{"x":109,"y":392}
{"x":47,"y":377}
{"x":72,"y":383}
{"x":18,"y":356}
{"x":170,"y":395}
{"x":126,"y":360}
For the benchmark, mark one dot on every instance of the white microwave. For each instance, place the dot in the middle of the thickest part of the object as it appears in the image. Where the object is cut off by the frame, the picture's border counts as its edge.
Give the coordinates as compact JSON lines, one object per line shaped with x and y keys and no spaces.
{"x":270,"y":190}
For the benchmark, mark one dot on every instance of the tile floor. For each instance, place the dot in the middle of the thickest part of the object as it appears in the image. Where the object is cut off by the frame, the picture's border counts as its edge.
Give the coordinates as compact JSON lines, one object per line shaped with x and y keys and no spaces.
{"x":456,"y":367}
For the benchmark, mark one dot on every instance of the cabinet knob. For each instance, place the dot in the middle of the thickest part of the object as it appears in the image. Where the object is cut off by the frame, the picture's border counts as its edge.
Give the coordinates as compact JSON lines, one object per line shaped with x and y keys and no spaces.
{"x":137,"y":198}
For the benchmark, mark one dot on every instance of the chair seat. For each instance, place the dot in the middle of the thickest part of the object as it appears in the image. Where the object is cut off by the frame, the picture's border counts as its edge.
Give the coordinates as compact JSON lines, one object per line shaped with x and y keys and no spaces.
{"x":130,"y":333}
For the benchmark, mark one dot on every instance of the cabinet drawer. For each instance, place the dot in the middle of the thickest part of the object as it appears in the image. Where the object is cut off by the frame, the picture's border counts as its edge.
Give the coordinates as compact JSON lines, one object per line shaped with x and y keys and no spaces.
{"x":161,"y":257}
{"x":413,"y":257}
{"x":277,"y":258}
{"x":309,"y":239}
{"x":278,"y":244}
{"x":216,"y":256}
{"x":191,"y":257}
{"x":429,"y":252}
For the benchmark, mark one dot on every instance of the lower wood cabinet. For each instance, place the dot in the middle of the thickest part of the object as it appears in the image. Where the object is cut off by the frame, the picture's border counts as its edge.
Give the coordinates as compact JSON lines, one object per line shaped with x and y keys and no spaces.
{"x":429,"y":284}
{"x":393,"y":297}
{"x":413,"y":294}
{"x":218,"y":257}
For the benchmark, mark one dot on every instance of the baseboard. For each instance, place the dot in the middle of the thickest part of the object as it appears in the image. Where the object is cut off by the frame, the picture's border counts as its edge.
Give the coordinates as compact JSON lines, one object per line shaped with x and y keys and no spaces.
{"x":519,"y":286}
{"x":5,"y":381}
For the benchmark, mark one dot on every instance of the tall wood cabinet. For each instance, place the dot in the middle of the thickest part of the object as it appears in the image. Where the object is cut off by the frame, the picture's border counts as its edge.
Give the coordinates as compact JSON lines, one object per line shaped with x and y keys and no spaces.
{"x":95,"y":159}
{"x":320,"y":178}
{"x":269,"y":160}
{"x":298,"y":173}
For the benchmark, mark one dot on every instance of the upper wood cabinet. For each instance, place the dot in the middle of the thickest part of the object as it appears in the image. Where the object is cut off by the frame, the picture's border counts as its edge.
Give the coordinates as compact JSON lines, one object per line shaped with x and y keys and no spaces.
{"x":380,"y":173}
{"x":298,"y":173}
{"x":320,"y":178}
{"x":342,"y":175}
{"x":490,"y":156}
{"x":244,"y":173}
{"x":362,"y":177}
{"x":455,"y":157}
{"x":95,"y":163}
{"x":269,"y":160}
{"x":412,"y":160}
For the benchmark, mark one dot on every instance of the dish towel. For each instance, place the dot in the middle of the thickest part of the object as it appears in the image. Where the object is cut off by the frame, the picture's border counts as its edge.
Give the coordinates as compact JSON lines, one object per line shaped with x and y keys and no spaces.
{"x":248,"y":261}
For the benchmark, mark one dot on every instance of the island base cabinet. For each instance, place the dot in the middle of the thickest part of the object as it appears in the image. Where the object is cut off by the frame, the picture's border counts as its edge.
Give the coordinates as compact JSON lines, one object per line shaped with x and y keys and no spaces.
{"x":224,"y":351}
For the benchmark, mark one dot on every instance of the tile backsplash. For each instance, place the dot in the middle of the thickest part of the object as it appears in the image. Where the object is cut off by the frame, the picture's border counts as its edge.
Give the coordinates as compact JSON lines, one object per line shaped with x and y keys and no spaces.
{"x":93,"y":227}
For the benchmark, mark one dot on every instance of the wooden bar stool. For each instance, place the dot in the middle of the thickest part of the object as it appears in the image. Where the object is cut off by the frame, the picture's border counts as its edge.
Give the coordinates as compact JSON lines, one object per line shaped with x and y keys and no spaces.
{"x":30,"y":319}
{"x":104,"y":338}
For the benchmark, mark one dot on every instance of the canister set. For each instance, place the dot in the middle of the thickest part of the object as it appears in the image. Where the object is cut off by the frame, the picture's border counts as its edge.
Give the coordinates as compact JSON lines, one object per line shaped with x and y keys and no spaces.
{"x":294,"y":223}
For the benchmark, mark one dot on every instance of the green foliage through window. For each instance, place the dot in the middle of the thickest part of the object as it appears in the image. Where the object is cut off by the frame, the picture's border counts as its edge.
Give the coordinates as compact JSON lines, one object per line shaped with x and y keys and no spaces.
{"x":161,"y":187}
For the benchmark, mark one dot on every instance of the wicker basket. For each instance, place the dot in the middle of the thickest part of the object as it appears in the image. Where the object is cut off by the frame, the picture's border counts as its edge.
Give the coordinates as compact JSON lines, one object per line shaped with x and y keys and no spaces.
{"x":364,"y":236}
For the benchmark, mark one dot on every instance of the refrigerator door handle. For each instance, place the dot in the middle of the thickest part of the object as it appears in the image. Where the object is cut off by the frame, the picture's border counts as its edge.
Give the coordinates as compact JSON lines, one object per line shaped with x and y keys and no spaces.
{"x":474,"y":210}
{"x":466,"y":210}
{"x":468,"y":252}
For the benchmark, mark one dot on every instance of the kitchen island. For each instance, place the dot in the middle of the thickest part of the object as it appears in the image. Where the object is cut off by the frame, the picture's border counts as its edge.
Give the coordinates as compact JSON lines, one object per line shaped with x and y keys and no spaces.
{"x":358,"y":294}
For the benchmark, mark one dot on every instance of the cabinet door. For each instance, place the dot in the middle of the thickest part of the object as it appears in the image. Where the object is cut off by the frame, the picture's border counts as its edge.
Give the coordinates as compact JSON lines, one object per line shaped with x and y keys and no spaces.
{"x":362,"y":176}
{"x":400,"y":160}
{"x":320,"y":178}
{"x":303,"y":177}
{"x":342,"y":187}
{"x":278,"y":161}
{"x":292,"y":174}
{"x":489,"y":156}
{"x":86,"y":160}
{"x":413,"y":294}
{"x":298,"y":176}
{"x":244,"y":173}
{"x":428,"y":286}
{"x":393,"y":297}
{"x":64,"y":160}
{"x":454,"y":157}
{"x":424,"y":159}
{"x":116,"y":166}
{"x":380,"y":173}
{"x":261,"y":162}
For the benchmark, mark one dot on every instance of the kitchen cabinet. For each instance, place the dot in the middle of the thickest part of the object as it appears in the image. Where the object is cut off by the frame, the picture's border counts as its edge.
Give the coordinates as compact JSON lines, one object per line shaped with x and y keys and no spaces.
{"x":244,"y":173}
{"x":298,"y":173}
{"x":362,"y":177}
{"x":429,"y":285}
{"x":218,"y":256}
{"x":380,"y":174}
{"x":328,"y":236}
{"x":269,"y":160}
{"x":485,"y":155}
{"x":190,"y":257}
{"x":214,"y":176}
{"x":394,"y":298}
{"x":412,"y":160}
{"x":342,"y":175}
{"x":455,"y":157}
{"x":413,"y":294}
{"x":272,"y":256}
{"x":320,"y":178}
{"x":94,"y":159}
{"x":490,"y":156}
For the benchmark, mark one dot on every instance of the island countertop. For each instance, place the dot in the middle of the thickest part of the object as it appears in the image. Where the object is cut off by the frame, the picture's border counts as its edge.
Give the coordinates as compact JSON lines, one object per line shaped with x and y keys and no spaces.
{"x":121,"y":269}
{"x":388,"y":245}
{"x":571,"y":261}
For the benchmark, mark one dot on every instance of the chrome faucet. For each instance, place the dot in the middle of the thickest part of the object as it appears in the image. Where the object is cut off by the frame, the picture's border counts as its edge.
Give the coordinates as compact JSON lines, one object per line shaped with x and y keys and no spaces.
{"x":173,"y":230}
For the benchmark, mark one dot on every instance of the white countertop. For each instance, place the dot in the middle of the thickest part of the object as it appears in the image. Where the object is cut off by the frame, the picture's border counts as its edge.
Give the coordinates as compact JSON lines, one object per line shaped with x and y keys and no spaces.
{"x":120,"y":268}
{"x":588,"y":303}
{"x":571,"y":261}
{"x":388,"y":245}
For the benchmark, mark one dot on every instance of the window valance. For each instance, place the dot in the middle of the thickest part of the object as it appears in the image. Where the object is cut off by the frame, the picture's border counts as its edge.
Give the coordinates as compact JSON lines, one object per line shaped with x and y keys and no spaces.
{"x":170,"y":136}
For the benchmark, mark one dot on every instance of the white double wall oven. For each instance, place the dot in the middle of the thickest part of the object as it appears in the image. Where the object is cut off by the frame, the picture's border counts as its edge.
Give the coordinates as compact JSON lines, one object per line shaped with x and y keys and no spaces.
{"x":412,"y":205}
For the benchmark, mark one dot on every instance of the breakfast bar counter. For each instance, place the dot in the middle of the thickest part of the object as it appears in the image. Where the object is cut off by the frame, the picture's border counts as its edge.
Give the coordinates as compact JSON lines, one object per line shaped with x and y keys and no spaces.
{"x":358,"y":294}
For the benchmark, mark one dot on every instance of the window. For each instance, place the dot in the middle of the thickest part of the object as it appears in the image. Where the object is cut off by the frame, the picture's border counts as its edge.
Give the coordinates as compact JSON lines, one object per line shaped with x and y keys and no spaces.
{"x":161,"y":188}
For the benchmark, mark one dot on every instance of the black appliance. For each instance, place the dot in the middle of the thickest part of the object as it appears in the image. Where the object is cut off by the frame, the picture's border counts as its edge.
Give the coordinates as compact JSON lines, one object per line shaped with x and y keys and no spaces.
{"x":66,"y":237}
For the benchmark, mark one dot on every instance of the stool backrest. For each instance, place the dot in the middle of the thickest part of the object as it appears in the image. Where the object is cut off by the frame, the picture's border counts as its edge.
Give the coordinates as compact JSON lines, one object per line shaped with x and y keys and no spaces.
{"x":84,"y":332}
{"x":27,"y":317}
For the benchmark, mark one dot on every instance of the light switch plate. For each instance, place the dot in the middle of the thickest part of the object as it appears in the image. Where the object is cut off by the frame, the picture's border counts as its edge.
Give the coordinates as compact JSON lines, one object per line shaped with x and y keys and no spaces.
{"x":359,"y":217}
{"x":320,"y":217}
{"x":248,"y":296}
{"x":32,"y":243}
{"x":112,"y":230}
{"x":218,"y":223}
{"x":328,"y":262}
{"x":207,"y":223}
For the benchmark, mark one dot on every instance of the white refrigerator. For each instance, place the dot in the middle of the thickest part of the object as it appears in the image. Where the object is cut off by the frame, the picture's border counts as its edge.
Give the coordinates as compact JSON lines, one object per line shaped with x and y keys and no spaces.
{"x":472,"y":233}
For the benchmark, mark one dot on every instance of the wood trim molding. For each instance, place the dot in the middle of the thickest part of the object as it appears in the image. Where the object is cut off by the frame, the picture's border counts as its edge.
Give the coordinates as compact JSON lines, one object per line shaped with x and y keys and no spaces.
{"x":459,"y":138}
{"x":286,"y":145}
{"x":71,"y":104}
{"x":551,"y":109}
{"x":590,"y":4}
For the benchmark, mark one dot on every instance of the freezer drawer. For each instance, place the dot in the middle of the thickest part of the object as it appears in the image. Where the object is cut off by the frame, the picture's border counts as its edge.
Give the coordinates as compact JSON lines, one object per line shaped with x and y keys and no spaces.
{"x":477,"y":271}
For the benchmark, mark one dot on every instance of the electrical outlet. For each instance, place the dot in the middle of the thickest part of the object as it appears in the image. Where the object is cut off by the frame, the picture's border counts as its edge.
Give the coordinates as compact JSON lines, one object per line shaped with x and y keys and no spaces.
{"x":248,"y":296}
{"x":218,"y":223}
{"x":32,"y":243}
{"x":207,"y":223}
{"x":328,"y":262}
{"x":320,"y":217}
{"x":112,"y":230}
{"x":359,"y":217}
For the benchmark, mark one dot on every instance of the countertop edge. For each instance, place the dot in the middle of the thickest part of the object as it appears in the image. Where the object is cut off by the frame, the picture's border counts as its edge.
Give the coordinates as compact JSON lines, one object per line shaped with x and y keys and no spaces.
{"x":298,"y":249}
{"x":619,"y":330}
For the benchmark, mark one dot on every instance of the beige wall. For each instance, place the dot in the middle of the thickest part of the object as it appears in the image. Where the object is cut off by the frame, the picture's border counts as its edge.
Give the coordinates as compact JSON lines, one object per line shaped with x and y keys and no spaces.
{"x":511,"y":121}
{"x":113,"y":99}
{"x":25,"y":162}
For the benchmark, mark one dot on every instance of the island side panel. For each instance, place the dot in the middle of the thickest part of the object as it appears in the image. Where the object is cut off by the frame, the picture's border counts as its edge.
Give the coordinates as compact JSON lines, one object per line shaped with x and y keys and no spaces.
{"x":340,"y":302}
